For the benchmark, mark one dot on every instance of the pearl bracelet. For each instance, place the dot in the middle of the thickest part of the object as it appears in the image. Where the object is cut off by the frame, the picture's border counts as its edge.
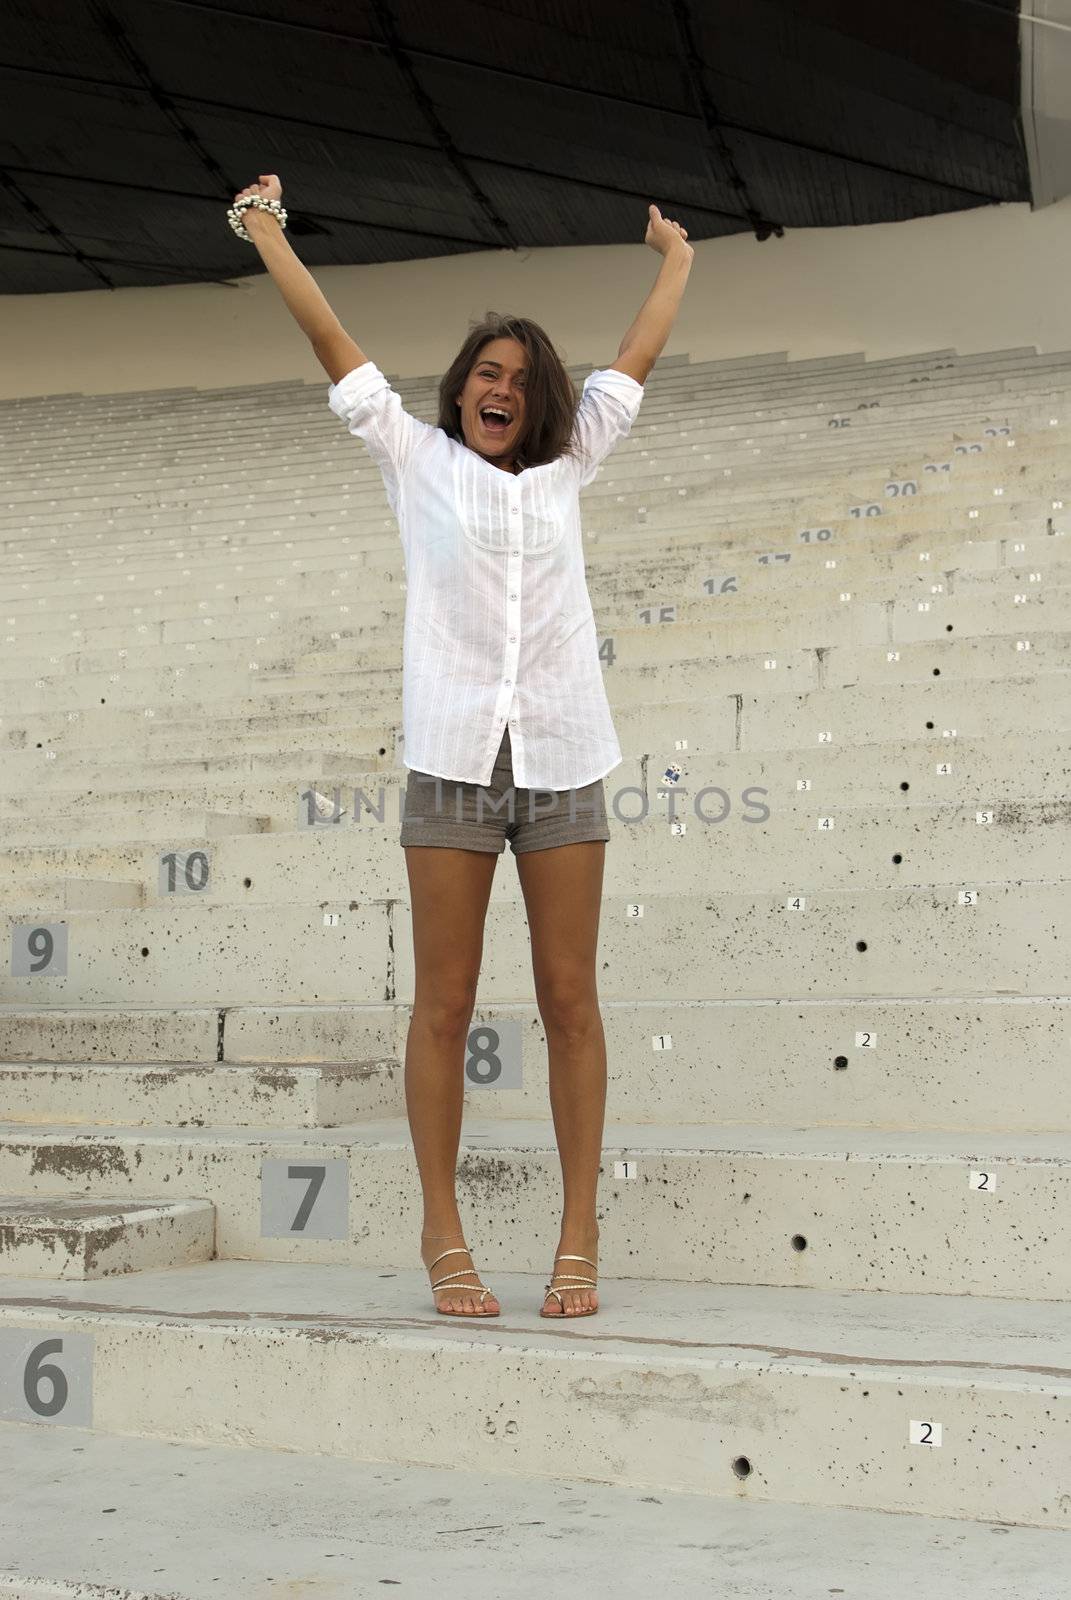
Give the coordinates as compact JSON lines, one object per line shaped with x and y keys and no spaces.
{"x":234,"y":213}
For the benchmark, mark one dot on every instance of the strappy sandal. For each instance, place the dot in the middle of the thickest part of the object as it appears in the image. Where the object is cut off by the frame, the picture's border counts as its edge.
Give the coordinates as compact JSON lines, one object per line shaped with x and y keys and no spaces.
{"x":478,"y":1292}
{"x":570,"y":1283}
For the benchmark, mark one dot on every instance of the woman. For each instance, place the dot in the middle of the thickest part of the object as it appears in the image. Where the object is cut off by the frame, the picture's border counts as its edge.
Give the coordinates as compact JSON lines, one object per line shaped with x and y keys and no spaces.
{"x":502,"y":703}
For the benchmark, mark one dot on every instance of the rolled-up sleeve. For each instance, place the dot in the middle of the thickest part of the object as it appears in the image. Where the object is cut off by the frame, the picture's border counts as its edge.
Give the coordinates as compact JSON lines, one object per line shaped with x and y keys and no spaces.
{"x":373,"y":412}
{"x":608,"y":405}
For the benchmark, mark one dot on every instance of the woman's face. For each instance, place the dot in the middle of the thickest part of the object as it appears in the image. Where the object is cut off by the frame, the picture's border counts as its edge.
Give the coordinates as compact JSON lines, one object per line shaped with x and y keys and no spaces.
{"x":497,"y":379}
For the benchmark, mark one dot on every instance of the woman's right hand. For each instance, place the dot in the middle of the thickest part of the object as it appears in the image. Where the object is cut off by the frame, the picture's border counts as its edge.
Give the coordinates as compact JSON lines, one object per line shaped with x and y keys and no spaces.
{"x":267,"y":186}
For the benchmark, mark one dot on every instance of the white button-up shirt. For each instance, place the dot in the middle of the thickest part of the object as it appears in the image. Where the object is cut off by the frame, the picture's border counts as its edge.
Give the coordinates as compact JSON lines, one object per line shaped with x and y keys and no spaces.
{"x":499,"y":625}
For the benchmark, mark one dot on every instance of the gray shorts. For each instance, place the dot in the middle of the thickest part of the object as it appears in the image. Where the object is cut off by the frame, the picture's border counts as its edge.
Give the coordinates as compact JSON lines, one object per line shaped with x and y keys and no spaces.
{"x":474,"y":816}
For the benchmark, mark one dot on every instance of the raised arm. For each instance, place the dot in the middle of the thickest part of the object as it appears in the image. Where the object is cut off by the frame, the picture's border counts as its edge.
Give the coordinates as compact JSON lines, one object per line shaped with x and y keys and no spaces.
{"x":336,"y":352}
{"x":644,"y":341}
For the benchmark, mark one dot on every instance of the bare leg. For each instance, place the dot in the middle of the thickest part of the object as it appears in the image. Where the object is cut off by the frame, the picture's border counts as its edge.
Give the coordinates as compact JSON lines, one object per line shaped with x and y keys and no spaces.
{"x":562,"y":889}
{"x":449,"y":892}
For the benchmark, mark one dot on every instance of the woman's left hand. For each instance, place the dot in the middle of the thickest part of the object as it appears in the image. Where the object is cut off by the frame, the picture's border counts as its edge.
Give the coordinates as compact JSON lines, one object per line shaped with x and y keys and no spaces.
{"x":663,"y":234}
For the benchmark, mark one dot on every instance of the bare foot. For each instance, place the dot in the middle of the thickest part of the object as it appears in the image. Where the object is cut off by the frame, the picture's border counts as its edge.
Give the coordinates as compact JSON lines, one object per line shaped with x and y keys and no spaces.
{"x":456,"y":1297}
{"x":578,"y":1298}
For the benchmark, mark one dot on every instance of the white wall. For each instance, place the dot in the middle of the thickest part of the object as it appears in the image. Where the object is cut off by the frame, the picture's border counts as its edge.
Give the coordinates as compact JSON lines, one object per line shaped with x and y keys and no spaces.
{"x":984,"y":279}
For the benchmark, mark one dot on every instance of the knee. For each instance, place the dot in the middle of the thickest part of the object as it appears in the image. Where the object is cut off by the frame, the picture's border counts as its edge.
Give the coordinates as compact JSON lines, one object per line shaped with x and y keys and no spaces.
{"x":447,"y":1015}
{"x":569,"y":1008}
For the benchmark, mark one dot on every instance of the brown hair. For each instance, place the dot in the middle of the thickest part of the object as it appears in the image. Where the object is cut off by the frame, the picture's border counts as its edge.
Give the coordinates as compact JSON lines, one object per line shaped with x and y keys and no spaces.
{"x":550,"y":395}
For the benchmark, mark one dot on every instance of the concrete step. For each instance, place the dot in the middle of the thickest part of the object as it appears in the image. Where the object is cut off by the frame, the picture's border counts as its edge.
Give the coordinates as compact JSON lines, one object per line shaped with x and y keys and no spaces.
{"x":142,"y":1036}
{"x":730,"y":1393}
{"x":324,"y":486}
{"x":990,"y":566}
{"x":693,"y":735}
{"x":755,"y":590}
{"x":339,"y":1526}
{"x":946,"y":767}
{"x":872,"y":1070}
{"x":775,"y":525}
{"x":336,"y":490}
{"x":741,"y":376}
{"x":730,"y":387}
{"x":874,"y":1210}
{"x":303,"y":713}
{"x":376,"y":677}
{"x":648,"y":638}
{"x":738,"y":495}
{"x":136,"y":1034}
{"x":338,"y":948}
{"x":298,"y":441}
{"x":834,"y":1063}
{"x":67,"y":1238}
{"x":200,"y":1094}
{"x":260,"y":559}
{"x":778,"y":837}
{"x":178,"y":472}
{"x":72,"y":894}
{"x":167,"y":815}
{"x":229,"y":580}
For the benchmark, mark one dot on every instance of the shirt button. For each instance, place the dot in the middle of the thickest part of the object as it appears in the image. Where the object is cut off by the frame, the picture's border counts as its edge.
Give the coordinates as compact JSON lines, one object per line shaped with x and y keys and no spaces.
{"x":513,"y":597}
{"x":513,"y":638}
{"x":514,"y":510}
{"x":508,"y":682}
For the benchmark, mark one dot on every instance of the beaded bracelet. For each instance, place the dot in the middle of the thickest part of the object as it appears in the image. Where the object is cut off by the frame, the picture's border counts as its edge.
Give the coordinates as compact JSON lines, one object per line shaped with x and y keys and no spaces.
{"x":234,"y":213}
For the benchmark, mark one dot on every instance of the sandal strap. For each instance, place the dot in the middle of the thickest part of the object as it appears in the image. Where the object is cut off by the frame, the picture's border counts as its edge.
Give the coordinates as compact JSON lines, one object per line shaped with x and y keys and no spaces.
{"x":465,"y":1272}
{"x":557,"y":1295}
{"x":571,"y":1283}
{"x":459,"y":1250}
{"x":436,"y":1282}
{"x":568,"y":1280}
{"x":467,"y":1288}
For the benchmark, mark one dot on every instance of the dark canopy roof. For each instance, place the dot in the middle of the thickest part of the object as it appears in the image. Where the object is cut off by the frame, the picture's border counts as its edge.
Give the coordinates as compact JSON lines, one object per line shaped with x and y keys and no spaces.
{"x":404,"y":129}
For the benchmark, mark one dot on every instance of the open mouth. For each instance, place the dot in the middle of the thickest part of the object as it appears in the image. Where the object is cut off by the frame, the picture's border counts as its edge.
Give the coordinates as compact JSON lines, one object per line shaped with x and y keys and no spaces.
{"x":494,"y":420}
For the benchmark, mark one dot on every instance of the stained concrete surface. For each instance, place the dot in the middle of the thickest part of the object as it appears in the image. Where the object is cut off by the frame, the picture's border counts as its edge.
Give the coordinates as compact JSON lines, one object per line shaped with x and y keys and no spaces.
{"x":99,"y":1517}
